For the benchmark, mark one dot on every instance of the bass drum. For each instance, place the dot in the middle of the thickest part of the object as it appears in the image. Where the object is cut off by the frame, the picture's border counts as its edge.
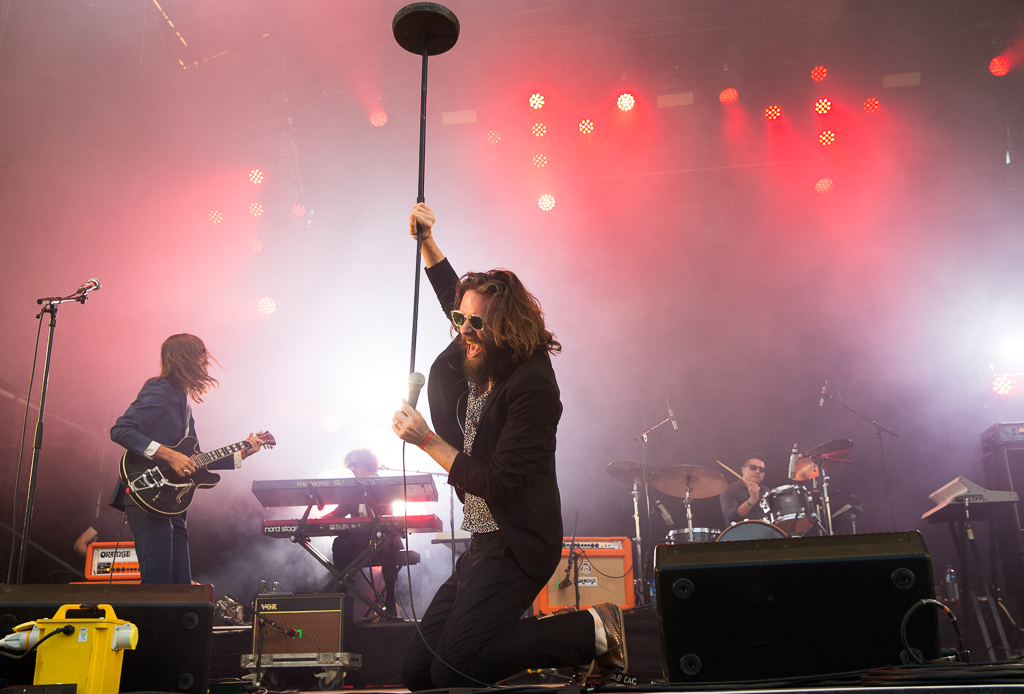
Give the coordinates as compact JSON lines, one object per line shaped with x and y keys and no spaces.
{"x":751,"y":530}
{"x":679,"y":536}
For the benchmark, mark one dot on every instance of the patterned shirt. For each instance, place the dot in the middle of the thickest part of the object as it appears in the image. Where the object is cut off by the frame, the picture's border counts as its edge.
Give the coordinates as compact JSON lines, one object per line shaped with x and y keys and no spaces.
{"x":476,"y":516}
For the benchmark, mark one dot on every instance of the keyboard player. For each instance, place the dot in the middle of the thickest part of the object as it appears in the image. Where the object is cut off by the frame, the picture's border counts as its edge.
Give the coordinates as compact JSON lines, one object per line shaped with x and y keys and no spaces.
{"x":363,"y":463}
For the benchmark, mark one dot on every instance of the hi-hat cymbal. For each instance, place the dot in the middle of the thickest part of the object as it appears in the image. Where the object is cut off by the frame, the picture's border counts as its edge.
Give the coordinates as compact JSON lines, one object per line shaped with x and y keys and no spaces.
{"x":703,"y":481}
{"x":827,"y":453}
{"x":626,"y":471}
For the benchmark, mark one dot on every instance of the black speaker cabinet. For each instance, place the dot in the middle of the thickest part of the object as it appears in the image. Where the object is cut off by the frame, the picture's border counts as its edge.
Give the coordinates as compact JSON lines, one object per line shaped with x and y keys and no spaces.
{"x":175,"y":630}
{"x":760,"y":609}
{"x":1004,"y":470}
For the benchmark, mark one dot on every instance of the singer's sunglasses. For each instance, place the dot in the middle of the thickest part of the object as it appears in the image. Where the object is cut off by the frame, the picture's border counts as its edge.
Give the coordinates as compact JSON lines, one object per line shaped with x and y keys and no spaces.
{"x":756,"y":468}
{"x":476,"y":322}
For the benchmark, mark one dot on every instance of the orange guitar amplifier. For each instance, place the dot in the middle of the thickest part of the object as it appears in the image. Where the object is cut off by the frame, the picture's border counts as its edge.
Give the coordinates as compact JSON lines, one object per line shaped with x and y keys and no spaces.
{"x":105,"y":558}
{"x":605,"y":575}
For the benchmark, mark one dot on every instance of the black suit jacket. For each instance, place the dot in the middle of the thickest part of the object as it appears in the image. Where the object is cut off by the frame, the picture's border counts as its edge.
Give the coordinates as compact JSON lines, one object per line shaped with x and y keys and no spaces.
{"x":513,"y":463}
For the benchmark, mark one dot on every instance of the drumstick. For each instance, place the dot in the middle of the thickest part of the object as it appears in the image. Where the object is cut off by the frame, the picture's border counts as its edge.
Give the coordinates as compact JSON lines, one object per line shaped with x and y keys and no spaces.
{"x":729,"y":469}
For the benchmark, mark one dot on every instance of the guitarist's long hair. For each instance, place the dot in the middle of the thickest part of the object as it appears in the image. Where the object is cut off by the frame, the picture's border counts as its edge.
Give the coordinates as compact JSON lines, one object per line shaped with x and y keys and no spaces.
{"x":185,"y":363}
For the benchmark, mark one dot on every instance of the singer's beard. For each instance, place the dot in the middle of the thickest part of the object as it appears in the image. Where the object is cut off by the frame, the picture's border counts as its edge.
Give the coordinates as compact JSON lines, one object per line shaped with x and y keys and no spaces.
{"x":492,"y":361}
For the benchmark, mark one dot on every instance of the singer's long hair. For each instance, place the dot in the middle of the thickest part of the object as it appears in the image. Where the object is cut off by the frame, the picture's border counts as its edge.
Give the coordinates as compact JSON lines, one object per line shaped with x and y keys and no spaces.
{"x":185,"y":363}
{"x":516,"y":320}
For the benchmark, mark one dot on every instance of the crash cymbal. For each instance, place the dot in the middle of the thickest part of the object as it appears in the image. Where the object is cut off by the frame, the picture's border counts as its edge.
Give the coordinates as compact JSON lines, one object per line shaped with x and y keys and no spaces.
{"x":626,"y":471}
{"x":837,"y":448}
{"x":827,"y":453}
{"x":805,"y":470}
{"x":704,"y":482}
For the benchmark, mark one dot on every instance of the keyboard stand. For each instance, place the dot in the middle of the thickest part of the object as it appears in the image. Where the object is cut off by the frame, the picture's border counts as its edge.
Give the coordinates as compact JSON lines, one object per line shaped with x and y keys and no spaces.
{"x":344,"y":575}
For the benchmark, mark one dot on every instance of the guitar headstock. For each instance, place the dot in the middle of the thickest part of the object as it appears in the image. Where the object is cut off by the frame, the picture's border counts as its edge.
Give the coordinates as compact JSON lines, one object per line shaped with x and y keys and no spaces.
{"x":266,"y":439}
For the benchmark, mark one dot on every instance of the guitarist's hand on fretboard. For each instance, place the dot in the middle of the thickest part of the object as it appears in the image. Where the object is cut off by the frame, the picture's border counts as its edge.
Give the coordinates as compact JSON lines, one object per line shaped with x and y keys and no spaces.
{"x":255,"y":444}
{"x":179,"y":462}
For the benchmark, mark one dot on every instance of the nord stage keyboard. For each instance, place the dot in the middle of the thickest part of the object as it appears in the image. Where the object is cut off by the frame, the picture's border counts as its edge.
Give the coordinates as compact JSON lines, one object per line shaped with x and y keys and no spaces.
{"x":348,"y":526}
{"x":345,"y":490}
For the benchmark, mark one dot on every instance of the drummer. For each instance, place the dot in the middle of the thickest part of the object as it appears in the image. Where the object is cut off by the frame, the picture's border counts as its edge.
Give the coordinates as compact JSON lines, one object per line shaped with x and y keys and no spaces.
{"x":741,"y":499}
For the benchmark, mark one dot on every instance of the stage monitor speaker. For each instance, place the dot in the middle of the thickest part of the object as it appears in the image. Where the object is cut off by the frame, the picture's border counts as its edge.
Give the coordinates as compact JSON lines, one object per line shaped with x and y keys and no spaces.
{"x":766,"y":609}
{"x":605,"y":575}
{"x":175,"y":630}
{"x":323,"y":623}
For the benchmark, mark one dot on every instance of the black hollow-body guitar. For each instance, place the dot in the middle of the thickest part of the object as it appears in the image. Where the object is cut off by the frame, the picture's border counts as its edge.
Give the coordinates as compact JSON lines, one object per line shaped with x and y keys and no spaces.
{"x":160,"y":490}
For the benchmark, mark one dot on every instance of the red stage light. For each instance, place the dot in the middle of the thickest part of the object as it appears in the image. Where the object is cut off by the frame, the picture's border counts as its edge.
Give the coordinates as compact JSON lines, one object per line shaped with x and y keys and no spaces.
{"x":537,"y":100}
{"x":216,"y":217}
{"x":378,"y":118}
{"x":546,"y":202}
{"x":819,"y":73}
{"x":267,"y":306}
{"x":586,"y":126}
{"x":822,"y":106}
{"x":871,"y":105}
{"x":539,"y":129}
{"x":772,"y":112}
{"x":540,"y":161}
{"x":728,"y":96}
{"x":299,"y":210}
{"x":626,"y":102}
{"x":256,"y":245}
{"x":823,"y":185}
{"x":256,"y":209}
{"x":999,"y":66}
{"x":256,"y":176}
{"x":827,"y":137}
{"x":494,"y":137}
{"x":1002,"y":385}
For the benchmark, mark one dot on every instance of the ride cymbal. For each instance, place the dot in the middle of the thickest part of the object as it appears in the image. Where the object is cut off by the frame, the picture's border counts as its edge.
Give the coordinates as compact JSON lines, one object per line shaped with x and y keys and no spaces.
{"x":704,"y":482}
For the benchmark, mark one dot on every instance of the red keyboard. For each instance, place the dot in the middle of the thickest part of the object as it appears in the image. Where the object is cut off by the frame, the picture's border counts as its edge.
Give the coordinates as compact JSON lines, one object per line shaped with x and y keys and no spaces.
{"x":321,"y":527}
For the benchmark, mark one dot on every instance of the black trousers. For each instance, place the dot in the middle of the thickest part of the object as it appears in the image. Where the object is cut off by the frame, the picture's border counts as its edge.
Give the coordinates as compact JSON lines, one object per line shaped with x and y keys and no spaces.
{"x":473,"y":625}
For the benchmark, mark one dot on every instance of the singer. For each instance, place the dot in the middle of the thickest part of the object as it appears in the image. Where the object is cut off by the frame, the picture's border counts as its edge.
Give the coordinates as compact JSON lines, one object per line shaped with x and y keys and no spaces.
{"x":160,"y":417}
{"x":741,"y":499}
{"x":495,"y":403}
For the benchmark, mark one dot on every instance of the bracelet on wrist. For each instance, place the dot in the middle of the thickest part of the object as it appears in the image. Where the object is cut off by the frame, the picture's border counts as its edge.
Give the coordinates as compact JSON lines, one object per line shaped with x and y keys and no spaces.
{"x":423,"y":444}
{"x":749,"y":504}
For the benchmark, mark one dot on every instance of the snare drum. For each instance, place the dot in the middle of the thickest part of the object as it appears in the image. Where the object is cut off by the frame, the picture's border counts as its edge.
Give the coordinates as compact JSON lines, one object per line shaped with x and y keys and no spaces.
{"x":751,"y":530}
{"x":679,"y":536}
{"x":789,"y":508}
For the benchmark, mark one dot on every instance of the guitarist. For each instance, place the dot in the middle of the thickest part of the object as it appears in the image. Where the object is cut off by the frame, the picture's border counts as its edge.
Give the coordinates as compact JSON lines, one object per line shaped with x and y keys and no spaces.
{"x":158,"y":419}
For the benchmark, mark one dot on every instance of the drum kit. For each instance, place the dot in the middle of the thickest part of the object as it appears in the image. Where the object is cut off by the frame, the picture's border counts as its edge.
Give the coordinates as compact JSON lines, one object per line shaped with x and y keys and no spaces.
{"x":792,"y":510}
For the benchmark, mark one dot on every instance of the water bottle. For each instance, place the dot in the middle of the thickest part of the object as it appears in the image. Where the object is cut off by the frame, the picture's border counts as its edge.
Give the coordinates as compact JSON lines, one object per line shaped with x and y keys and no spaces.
{"x":652,"y":592}
{"x":952,"y":586}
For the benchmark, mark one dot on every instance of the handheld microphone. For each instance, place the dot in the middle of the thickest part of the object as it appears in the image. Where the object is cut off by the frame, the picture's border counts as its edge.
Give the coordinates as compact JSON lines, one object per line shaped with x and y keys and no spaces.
{"x":821,"y":403}
{"x":416,"y":381}
{"x":672,"y":416}
{"x":91,"y":285}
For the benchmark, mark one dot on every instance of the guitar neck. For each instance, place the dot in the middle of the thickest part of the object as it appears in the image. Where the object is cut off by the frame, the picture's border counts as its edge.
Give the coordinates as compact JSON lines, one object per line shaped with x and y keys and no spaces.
{"x":203,"y":459}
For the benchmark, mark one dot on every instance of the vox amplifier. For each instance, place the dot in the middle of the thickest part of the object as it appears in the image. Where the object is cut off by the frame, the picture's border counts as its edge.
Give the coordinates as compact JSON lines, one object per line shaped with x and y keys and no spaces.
{"x":322,"y":624}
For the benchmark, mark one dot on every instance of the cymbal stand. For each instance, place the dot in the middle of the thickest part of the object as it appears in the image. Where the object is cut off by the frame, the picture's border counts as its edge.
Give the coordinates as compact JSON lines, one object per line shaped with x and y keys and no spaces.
{"x":641,"y":550}
{"x":826,"y":506}
{"x":637,"y":553}
{"x":689,"y":513}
